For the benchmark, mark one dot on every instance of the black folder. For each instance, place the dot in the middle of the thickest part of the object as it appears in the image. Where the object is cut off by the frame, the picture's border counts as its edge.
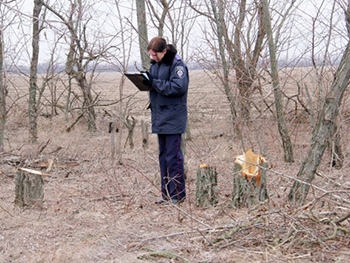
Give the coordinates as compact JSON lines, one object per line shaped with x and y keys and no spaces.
{"x":140,"y":80}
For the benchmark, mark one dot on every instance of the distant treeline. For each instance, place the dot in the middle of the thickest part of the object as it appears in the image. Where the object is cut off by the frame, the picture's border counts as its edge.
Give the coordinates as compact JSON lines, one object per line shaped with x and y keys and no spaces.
{"x":105,"y":67}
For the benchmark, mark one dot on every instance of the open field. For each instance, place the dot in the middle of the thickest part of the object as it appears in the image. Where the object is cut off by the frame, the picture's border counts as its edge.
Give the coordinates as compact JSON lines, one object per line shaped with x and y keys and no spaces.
{"x":100,"y":211}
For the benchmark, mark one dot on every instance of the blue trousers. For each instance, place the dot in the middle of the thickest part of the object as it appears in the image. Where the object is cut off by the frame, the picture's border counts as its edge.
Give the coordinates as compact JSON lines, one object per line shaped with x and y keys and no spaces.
{"x":171,"y":164}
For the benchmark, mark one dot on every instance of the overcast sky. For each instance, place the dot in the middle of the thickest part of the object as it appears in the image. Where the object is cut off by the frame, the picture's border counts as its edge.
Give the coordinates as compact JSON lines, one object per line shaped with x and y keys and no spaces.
{"x":106,"y":25}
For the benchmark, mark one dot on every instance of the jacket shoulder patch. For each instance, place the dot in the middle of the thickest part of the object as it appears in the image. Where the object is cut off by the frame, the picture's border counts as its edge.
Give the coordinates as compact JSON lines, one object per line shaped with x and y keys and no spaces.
{"x":179,"y":71}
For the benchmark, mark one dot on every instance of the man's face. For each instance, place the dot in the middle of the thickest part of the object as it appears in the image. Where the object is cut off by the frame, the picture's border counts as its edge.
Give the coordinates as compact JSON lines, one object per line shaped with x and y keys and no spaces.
{"x":157,"y":56}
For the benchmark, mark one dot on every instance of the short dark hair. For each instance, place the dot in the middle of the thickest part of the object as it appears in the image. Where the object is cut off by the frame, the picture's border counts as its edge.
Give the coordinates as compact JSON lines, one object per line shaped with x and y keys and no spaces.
{"x":157,"y":44}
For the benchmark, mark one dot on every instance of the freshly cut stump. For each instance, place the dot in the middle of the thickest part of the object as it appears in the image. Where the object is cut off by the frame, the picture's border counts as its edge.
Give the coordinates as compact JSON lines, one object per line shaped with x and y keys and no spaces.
{"x":249,"y":180}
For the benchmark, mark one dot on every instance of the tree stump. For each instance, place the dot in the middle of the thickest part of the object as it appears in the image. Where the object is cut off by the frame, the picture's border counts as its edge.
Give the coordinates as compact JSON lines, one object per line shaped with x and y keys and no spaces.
{"x":114,"y":125}
{"x":206,"y":190}
{"x":29,"y":188}
{"x":130,"y":125}
{"x":249,"y":180}
{"x":144,"y":129}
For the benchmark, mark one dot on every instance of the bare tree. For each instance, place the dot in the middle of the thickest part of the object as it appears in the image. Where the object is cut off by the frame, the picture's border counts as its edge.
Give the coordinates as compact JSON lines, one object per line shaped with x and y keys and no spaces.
{"x":282,"y":126}
{"x":121,"y":65}
{"x":80,"y":55}
{"x":245,"y":67}
{"x":2,"y":94}
{"x":238,"y":43}
{"x":157,"y":19}
{"x":142,"y":30}
{"x":3,"y":114}
{"x":226,"y":21}
{"x":173,"y":20}
{"x":33,"y":78}
{"x":325,"y":126}
{"x":320,"y":66}
{"x":221,"y":31}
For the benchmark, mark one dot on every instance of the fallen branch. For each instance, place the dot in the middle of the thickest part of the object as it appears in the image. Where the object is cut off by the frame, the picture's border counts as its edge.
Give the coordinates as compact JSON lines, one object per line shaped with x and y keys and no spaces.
{"x":162,"y":254}
{"x":342,"y":219}
{"x":70,"y":127}
{"x":6,"y":210}
{"x":335,"y":231}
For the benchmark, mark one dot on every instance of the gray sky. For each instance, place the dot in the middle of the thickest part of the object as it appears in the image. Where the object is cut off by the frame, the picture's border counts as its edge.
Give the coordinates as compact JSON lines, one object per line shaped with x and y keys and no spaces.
{"x":105,"y":25}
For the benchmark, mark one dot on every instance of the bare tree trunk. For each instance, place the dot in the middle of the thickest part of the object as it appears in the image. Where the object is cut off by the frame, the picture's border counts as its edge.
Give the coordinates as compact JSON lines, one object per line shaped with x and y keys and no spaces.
{"x":33,"y":87}
{"x":324,"y":129}
{"x":336,"y":152}
{"x":245,"y":70}
{"x":88,"y":105}
{"x":3,"y":114}
{"x":113,"y":126}
{"x":282,"y":126}
{"x":69,"y":68}
{"x":120,"y":123}
{"x":219,"y":22}
{"x":143,"y":36}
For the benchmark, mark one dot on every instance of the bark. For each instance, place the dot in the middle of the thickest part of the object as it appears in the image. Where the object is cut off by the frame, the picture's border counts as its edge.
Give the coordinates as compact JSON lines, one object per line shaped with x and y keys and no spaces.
{"x":324,"y":129}
{"x":88,"y":105}
{"x":33,"y":78}
{"x":130,"y":123}
{"x":145,"y":137}
{"x":143,"y":35}
{"x":113,"y":127}
{"x":207,"y":186}
{"x":3,"y":114}
{"x":245,"y":69}
{"x":336,"y":152}
{"x":218,"y":12}
{"x":282,"y":126}
{"x":249,"y":190}
{"x":29,"y":189}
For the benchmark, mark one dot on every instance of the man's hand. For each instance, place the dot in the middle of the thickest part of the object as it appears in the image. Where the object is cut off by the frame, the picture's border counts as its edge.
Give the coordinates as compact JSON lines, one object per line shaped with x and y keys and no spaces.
{"x":145,"y":81}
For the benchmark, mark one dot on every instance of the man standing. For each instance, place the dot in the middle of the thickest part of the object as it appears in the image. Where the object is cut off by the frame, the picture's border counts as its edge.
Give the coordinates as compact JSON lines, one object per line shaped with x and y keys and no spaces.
{"x":168,"y":97}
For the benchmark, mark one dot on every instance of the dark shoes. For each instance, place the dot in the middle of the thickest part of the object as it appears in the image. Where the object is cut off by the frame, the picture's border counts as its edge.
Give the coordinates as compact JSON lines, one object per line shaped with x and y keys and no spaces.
{"x":176,"y":201}
{"x":168,"y":202}
{"x":160,"y":202}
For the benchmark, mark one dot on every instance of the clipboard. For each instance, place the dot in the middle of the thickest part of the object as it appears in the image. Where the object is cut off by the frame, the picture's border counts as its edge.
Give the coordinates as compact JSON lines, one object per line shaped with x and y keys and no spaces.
{"x":138,"y":79}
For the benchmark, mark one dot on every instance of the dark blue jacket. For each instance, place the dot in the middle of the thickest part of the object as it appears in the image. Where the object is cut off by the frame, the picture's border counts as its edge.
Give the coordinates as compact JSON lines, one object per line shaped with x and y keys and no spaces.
{"x":169,"y":94}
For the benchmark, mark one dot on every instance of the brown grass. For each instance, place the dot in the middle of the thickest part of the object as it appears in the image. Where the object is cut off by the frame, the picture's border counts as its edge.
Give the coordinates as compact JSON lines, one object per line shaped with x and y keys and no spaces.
{"x":100,"y":211}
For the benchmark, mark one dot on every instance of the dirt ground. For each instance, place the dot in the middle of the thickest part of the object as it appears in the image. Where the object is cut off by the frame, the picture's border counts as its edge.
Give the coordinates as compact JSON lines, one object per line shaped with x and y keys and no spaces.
{"x":103,"y":211}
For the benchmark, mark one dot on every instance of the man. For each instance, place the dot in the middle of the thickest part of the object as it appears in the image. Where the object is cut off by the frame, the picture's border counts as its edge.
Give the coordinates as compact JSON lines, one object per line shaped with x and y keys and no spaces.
{"x":168,"y":97}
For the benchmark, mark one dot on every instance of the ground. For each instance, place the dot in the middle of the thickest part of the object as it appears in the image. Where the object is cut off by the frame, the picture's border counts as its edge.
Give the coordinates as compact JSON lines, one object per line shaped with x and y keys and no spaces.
{"x":103,"y":211}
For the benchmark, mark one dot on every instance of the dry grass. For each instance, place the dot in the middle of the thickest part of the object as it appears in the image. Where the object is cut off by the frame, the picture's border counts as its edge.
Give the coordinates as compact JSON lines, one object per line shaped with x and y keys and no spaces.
{"x":100,"y":211}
